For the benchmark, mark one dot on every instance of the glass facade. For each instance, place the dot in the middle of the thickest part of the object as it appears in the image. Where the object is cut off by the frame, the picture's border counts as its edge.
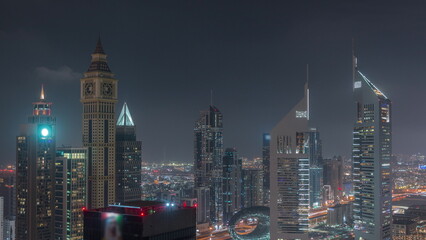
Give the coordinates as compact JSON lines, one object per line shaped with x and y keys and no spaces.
{"x":372,"y":148}
{"x":266,"y":166}
{"x":208,"y":152}
{"x":35,"y":174}
{"x":128,"y":159}
{"x":295,"y":156}
{"x":70,"y":192}
{"x":232,"y":167}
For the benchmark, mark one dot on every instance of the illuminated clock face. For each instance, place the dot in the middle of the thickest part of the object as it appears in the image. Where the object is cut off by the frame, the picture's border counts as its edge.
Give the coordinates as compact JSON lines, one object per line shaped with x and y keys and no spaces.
{"x":44,"y":132}
{"x":88,"y":89}
{"x":107,"y":89}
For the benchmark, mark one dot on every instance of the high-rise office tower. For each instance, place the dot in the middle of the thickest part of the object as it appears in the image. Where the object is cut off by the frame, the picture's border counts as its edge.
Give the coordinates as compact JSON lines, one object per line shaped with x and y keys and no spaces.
{"x":208,"y":152}
{"x":1,"y":217}
{"x":128,"y":159}
{"x":372,"y":149}
{"x":99,"y":96}
{"x":289,"y":176}
{"x":70,"y":192}
{"x":315,"y":167}
{"x":252,"y":192}
{"x":203,"y":204}
{"x":35,"y":174}
{"x":266,"y":163}
{"x":232,"y":167}
{"x":8,"y":191}
{"x":333,"y":178}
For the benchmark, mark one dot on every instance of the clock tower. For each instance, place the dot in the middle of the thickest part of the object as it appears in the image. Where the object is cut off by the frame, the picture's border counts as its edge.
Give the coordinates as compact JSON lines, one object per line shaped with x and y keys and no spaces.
{"x":99,"y":96}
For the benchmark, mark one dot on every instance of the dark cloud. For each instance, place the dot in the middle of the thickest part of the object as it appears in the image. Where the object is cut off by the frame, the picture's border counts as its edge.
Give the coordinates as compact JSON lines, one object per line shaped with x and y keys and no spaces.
{"x":62,"y":74}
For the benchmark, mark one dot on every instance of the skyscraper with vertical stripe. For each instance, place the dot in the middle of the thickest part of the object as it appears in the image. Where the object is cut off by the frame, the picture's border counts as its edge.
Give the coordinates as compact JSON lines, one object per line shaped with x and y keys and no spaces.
{"x":290,"y":174}
{"x":372,"y":149}
{"x":99,"y":96}
{"x":208,"y":152}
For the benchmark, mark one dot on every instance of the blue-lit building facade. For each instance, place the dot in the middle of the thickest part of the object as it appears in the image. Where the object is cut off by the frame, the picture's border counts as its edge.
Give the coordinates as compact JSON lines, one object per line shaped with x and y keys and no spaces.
{"x":316,"y":168}
{"x":232,"y":180}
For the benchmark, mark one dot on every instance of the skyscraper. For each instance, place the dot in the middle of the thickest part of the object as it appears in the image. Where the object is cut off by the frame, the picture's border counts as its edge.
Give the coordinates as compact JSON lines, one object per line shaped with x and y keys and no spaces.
{"x":128,"y":159}
{"x":208,"y":151}
{"x":99,"y":96}
{"x":372,"y":149}
{"x":289,"y":177}
{"x":315,"y":167}
{"x":1,"y":217}
{"x":35,"y":174}
{"x":266,"y":165}
{"x":8,"y":191}
{"x":252,"y":192}
{"x":333,"y":178}
{"x":203,"y":205}
{"x":70,"y":192}
{"x":232,"y":167}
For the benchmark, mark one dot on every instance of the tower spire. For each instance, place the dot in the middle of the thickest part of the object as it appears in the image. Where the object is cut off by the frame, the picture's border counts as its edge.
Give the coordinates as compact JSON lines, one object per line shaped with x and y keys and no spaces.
{"x":307,"y":73}
{"x":354,"y":61}
{"x":99,"y":59}
{"x":99,"y":48}
{"x":42,"y":92}
{"x":307,"y":92}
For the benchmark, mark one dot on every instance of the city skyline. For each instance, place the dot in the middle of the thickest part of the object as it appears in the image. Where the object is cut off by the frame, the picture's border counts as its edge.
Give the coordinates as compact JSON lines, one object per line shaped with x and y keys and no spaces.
{"x":249,"y":120}
{"x":255,"y":61}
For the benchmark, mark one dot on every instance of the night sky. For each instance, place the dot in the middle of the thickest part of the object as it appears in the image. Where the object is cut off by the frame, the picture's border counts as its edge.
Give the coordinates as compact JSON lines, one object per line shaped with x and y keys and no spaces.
{"x":168,"y":55}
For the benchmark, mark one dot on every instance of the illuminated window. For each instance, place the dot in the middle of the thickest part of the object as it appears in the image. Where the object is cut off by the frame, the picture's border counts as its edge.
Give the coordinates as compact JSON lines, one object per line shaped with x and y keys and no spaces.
{"x":301,"y":114}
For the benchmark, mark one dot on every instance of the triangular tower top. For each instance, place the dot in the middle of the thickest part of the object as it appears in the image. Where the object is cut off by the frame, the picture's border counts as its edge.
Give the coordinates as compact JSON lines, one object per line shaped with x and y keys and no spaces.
{"x":99,"y":48}
{"x":99,"y":62}
{"x":358,"y":84}
{"x":125,"y":119}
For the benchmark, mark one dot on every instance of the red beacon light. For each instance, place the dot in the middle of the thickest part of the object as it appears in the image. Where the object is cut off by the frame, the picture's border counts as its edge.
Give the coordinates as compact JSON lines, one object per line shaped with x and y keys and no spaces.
{"x":142,"y":214}
{"x":196,"y":205}
{"x":83,"y":209}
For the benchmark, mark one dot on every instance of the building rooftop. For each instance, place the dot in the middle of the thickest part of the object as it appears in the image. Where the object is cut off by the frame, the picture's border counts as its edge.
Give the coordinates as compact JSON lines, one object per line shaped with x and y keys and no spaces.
{"x":411,"y":201}
{"x":139,"y":208}
{"x":140,"y":204}
{"x":403,"y":222}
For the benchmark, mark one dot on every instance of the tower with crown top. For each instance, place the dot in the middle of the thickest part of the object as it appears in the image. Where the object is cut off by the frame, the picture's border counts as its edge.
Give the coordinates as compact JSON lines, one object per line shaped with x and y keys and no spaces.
{"x":35,"y":174}
{"x":99,"y":96}
{"x":128,"y":159}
